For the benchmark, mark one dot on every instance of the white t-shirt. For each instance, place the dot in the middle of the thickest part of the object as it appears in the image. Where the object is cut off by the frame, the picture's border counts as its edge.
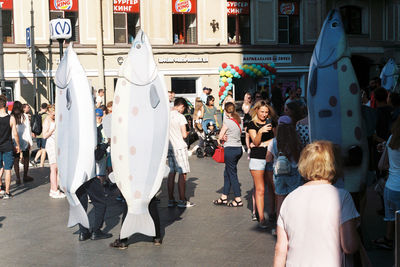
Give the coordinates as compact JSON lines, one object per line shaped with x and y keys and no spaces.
{"x":311,"y":216}
{"x":175,"y":135}
{"x":99,"y":100}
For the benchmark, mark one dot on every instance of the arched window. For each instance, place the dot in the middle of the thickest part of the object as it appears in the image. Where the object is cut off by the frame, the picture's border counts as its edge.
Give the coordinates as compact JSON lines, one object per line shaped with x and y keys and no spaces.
{"x":352,"y":19}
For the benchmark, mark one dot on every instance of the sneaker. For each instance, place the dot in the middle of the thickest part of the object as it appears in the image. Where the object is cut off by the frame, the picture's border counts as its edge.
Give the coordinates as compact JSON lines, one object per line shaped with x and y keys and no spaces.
{"x":185,"y":204}
{"x":171,"y":203}
{"x":2,"y":192}
{"x":56,"y":194}
{"x":263,"y":224}
{"x":119,"y":244}
{"x":7,"y":196}
{"x":253,"y":217}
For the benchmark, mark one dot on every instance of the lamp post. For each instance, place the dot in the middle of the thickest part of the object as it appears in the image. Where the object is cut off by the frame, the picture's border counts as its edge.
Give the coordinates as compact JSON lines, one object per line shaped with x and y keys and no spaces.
{"x":2,"y":80}
{"x":33,"y":57}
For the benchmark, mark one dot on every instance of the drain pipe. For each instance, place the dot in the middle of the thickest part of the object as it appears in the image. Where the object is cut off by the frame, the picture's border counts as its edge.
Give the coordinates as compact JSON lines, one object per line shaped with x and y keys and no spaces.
{"x":100,"y":59}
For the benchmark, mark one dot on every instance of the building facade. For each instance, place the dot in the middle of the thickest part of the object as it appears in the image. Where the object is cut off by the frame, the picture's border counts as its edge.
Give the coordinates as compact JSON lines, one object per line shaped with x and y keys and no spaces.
{"x":192,"y":38}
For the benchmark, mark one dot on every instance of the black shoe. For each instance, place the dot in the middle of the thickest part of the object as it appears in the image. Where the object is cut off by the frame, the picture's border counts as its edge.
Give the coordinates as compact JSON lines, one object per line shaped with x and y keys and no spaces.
{"x":84,"y":236}
{"x":98,"y":234}
{"x":120,"y":243}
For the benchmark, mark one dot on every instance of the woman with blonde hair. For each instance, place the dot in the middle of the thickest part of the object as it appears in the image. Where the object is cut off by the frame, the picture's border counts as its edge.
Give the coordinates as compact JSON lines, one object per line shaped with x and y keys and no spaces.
{"x":261,"y":131}
{"x":49,"y":133}
{"x":317,"y":221}
{"x":230,"y":133}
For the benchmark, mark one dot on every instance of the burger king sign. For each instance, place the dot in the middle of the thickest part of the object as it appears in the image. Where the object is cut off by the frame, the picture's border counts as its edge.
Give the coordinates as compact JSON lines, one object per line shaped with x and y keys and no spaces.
{"x":65,"y":5}
{"x":184,"y":6}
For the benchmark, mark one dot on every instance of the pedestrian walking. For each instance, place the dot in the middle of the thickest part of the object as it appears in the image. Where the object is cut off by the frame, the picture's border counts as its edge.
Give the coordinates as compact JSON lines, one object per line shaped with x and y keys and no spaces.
{"x":40,"y":141}
{"x":25,"y":139}
{"x":49,"y":133}
{"x":178,"y":159}
{"x":261,"y":131}
{"x":230,"y":133}
{"x":317,"y":221}
{"x":8,"y":127}
{"x":210,"y":113}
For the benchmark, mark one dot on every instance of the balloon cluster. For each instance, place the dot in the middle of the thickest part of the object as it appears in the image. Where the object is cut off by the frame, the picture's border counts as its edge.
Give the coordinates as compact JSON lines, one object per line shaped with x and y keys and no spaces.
{"x":227,"y":72}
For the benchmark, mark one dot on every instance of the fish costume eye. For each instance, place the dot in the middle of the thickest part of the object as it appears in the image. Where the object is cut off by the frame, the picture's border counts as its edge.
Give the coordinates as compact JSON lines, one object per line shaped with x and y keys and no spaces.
{"x":335,"y":24}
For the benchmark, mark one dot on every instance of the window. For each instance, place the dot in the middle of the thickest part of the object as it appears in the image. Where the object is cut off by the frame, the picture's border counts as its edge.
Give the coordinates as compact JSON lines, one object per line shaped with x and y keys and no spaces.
{"x":8,"y":21}
{"x":238,"y":21}
{"x":67,"y":9}
{"x":352,"y":19}
{"x":184,"y":21}
{"x":183,"y":86}
{"x":289,"y":22}
{"x":126,"y":21}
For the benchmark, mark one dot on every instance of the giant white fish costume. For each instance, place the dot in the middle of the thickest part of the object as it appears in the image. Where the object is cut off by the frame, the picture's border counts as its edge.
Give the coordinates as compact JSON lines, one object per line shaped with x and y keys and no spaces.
{"x":140,"y":131}
{"x":76,"y":132}
{"x":334,"y":102}
{"x":389,"y":75}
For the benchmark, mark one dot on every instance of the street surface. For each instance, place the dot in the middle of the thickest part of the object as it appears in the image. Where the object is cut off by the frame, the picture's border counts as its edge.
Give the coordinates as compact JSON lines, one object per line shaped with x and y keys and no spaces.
{"x":33,"y":228}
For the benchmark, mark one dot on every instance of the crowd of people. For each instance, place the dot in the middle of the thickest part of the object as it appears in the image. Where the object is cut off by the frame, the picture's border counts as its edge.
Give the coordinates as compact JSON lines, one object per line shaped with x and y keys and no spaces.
{"x":298,"y":178}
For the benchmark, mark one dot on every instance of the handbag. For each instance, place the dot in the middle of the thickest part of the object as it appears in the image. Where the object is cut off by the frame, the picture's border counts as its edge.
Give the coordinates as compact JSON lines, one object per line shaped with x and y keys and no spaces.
{"x":383,"y":163}
{"x":219,"y":155}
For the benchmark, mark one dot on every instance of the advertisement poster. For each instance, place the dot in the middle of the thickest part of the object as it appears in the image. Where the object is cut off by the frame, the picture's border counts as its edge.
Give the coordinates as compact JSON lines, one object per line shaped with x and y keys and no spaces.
{"x":128,"y":6}
{"x":6,"y":4}
{"x":238,"y":7}
{"x":64,"y":5}
{"x":288,"y":7}
{"x":184,"y":6}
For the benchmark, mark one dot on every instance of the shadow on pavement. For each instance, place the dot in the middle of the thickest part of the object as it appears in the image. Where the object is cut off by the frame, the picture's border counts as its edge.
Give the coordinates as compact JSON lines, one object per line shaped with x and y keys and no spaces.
{"x":2,"y":219}
{"x":36,"y":174}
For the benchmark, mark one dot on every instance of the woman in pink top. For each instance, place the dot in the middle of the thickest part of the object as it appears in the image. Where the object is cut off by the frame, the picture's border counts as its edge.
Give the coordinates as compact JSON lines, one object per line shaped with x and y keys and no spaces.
{"x":317,"y":221}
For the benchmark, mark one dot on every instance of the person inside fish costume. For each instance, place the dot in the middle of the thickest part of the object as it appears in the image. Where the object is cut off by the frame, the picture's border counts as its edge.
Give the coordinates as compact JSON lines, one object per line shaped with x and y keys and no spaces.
{"x":389,"y":76}
{"x":334,"y":101}
{"x":139,"y":137}
{"x":75,"y":146}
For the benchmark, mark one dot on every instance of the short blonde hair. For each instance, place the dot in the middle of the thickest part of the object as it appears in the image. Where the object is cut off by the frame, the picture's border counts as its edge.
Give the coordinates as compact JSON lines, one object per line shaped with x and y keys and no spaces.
{"x":320,"y":160}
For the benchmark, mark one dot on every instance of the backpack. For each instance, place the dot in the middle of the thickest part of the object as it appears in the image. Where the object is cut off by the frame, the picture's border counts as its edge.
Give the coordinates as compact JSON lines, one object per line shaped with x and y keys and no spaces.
{"x":36,"y":124}
{"x":282,"y":165}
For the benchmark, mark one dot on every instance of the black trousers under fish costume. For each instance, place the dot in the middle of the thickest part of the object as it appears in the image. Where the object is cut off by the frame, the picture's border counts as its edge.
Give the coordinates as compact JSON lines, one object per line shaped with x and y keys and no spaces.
{"x":153,"y":213}
{"x":95,"y":190}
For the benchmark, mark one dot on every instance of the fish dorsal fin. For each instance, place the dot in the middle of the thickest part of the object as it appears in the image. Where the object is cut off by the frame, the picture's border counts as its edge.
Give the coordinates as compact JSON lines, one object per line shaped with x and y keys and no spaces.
{"x":63,"y":74}
{"x":139,"y":67}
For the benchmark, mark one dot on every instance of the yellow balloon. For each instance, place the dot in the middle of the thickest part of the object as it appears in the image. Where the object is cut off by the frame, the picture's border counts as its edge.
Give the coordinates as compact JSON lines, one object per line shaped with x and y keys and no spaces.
{"x":222,"y":73}
{"x":223,"y":79}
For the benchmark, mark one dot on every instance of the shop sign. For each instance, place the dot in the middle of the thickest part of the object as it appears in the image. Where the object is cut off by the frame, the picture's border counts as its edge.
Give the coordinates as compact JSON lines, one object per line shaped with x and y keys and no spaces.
{"x":64,"y":5}
{"x":60,"y":29}
{"x":183,"y":60}
{"x":238,"y":7}
{"x":184,"y":6}
{"x":6,"y":4}
{"x":288,"y":8}
{"x":264,"y":59}
{"x":128,"y":6}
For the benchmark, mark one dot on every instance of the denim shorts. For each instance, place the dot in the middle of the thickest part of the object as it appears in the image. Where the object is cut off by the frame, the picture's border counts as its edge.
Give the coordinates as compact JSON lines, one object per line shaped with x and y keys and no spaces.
{"x":284,"y":184}
{"x":6,"y":160}
{"x":392,"y":203}
{"x":257,"y":164}
{"x":41,"y":143}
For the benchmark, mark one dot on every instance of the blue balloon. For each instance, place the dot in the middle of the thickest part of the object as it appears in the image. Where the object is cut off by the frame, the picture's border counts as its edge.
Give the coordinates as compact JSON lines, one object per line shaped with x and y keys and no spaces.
{"x":267,"y":72}
{"x":272,"y":65}
{"x":273,"y":77}
{"x":263,"y":69}
{"x":254,"y":65}
{"x":221,"y":84}
{"x":225,"y":93}
{"x":229,"y":80}
{"x":229,"y":68}
{"x":220,"y":68}
{"x":222,"y":98}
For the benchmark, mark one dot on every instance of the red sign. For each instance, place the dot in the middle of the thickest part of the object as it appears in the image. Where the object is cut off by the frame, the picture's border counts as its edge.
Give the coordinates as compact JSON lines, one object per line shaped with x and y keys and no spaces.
{"x":184,"y":6}
{"x":288,"y":8}
{"x":128,"y":6}
{"x":238,"y":7}
{"x":64,"y":5}
{"x":6,"y":4}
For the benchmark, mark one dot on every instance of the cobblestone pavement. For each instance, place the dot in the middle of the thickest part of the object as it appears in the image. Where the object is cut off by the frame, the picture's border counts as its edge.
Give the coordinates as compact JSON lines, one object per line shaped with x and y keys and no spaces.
{"x":33,"y":228}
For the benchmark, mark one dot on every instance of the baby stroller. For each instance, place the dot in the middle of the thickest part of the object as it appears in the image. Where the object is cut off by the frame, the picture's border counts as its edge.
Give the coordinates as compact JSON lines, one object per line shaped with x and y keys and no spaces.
{"x":209,"y":143}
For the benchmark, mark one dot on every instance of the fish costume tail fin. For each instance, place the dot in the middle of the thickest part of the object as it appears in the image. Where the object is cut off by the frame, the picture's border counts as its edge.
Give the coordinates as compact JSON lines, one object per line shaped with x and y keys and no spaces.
{"x":133,"y":222}
{"x":77,"y":213}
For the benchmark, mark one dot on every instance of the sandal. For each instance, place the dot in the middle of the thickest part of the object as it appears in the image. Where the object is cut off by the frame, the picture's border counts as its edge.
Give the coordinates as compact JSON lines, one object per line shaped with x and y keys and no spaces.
{"x":384,"y":243}
{"x":119,"y":244}
{"x":235,"y":203}
{"x":220,"y":201}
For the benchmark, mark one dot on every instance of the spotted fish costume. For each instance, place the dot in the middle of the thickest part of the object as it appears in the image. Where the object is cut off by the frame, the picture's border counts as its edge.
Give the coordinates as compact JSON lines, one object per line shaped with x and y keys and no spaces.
{"x":334,"y":102}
